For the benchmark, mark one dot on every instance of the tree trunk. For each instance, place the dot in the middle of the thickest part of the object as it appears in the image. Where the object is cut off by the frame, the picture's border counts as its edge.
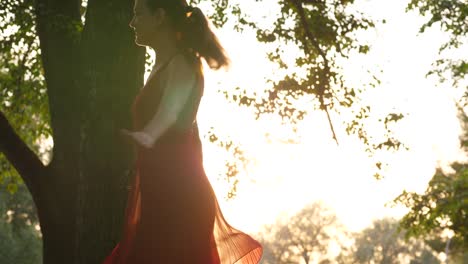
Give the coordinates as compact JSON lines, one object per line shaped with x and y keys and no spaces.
{"x":112,"y":72}
{"x":92,"y":75}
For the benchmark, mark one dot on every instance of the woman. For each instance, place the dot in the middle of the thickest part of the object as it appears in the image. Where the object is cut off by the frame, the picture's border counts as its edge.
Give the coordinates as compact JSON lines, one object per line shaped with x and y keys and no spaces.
{"x":172,"y":214}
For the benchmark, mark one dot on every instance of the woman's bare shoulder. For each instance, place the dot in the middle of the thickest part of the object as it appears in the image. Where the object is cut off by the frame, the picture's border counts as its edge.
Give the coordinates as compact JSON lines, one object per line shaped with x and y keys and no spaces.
{"x":183,"y":63}
{"x":181,"y":68}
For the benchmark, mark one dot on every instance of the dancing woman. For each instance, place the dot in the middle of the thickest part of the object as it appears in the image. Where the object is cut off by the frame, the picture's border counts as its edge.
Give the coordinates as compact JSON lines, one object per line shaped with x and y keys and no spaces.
{"x":172,"y":214}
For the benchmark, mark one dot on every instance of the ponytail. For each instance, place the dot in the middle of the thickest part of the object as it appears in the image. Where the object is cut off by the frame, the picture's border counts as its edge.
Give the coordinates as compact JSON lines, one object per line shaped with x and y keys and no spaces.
{"x":193,"y":31}
{"x":198,"y":37}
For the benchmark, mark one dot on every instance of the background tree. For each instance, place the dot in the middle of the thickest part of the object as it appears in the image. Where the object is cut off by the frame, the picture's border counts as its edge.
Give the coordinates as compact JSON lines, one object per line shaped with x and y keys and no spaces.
{"x":444,"y":204}
{"x":303,"y":238}
{"x":384,"y":243}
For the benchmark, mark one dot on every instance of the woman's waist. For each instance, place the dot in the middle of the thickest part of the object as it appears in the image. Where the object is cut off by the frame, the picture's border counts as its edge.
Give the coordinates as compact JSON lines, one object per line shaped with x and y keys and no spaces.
{"x":180,"y":126}
{"x":182,"y":148}
{"x":173,"y":141}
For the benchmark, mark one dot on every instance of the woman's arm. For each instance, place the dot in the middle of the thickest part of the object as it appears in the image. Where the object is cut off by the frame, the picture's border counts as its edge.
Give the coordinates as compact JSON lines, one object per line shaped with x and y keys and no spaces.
{"x":176,"y":92}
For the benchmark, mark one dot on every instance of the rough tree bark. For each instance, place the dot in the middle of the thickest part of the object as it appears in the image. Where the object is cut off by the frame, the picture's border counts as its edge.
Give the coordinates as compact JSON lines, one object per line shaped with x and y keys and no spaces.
{"x":92,"y":73}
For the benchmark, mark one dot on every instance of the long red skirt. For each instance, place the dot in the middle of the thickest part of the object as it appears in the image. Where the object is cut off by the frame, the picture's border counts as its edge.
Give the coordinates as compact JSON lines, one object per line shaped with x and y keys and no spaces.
{"x":172,"y":213}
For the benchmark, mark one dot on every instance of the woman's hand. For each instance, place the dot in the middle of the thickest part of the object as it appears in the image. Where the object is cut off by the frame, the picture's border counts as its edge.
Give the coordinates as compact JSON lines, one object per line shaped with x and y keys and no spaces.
{"x":140,"y":138}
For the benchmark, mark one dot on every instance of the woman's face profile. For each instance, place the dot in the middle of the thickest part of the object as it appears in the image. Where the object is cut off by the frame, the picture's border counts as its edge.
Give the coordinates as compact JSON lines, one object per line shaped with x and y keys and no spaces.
{"x":145,"y":23}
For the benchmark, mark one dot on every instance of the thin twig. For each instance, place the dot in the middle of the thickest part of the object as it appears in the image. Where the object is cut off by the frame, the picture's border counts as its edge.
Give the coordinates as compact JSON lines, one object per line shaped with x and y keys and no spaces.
{"x":321,"y":90}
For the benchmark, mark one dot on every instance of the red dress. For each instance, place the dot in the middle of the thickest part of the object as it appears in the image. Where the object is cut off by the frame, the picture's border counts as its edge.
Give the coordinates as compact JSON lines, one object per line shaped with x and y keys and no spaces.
{"x":172,"y":214}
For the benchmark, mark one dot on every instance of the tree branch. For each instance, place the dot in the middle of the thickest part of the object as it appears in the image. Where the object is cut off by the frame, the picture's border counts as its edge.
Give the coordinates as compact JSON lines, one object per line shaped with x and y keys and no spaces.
{"x":20,"y":155}
{"x":315,"y":44}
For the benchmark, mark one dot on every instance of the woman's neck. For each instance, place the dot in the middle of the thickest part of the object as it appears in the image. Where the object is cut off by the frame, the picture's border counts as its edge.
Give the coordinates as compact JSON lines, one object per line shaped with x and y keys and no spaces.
{"x":165,"y":50}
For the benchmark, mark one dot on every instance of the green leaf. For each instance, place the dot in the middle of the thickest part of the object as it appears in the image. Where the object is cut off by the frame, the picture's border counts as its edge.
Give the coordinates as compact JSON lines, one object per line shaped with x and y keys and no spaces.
{"x":12,"y":188}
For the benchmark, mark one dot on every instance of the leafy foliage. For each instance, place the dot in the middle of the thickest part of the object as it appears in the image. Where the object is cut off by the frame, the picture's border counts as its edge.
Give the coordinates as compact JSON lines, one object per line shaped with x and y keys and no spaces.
{"x":236,"y":163}
{"x":23,"y":96}
{"x":309,"y":42}
{"x":310,"y":37}
{"x":219,"y":13}
{"x":20,"y":242}
{"x":452,"y":17}
{"x":451,"y":14}
{"x":444,"y":205}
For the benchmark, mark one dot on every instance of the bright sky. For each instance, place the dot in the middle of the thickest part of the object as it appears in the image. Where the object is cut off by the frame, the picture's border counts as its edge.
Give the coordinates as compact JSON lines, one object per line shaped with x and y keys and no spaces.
{"x":285,"y":177}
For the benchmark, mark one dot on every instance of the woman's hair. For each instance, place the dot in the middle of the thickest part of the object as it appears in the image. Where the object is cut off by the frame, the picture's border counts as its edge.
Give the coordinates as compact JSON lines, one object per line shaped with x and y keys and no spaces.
{"x":193,"y":31}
